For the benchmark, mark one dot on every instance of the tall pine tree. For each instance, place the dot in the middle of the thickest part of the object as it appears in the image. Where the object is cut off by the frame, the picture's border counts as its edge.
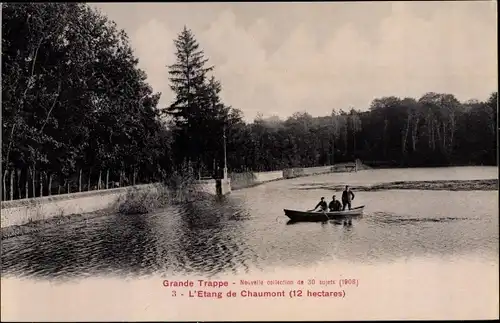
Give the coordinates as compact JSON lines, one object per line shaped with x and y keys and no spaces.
{"x":198,"y":114}
{"x":187,"y":77}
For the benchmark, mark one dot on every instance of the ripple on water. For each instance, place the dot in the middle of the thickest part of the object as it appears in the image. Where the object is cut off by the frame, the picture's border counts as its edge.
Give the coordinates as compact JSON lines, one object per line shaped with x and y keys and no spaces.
{"x":247,"y":231}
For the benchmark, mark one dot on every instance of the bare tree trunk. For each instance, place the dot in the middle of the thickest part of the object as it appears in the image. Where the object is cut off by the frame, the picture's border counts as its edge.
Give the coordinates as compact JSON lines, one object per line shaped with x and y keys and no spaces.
{"x":429,"y":132}
{"x":134,"y":176}
{"x":9,"y":147}
{"x":27,"y":187}
{"x":433,"y":146}
{"x":333,"y":152}
{"x":452,"y":130}
{"x":445,"y":147}
{"x":99,"y":181}
{"x":80,"y":181}
{"x":433,"y":140}
{"x":354,"y":140}
{"x":52,"y":107}
{"x":414,"y":134}
{"x":345,"y":139}
{"x":405,"y":136}
{"x":67,"y":183}
{"x":88,"y":183}
{"x":438,"y":133}
{"x":50,"y":184}
{"x":4,"y":185}
{"x":33,"y":177}
{"x":11,"y":185}
{"x":386,"y":125}
{"x":107,"y":179}
{"x":58,"y":189}
{"x":41,"y":183}
{"x":18,"y":182}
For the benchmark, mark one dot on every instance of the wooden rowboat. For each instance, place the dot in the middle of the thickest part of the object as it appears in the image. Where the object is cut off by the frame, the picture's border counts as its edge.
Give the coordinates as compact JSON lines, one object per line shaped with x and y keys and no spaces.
{"x":314,"y":216}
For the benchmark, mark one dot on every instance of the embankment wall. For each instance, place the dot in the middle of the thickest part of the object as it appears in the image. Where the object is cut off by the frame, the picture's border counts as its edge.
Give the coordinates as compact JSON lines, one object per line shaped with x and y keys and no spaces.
{"x":249,"y":179}
{"x":268,"y":176}
{"x":20,"y":212}
{"x":298,"y":172}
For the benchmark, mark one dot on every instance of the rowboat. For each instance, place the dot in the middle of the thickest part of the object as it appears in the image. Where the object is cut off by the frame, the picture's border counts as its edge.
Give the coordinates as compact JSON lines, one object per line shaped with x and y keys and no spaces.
{"x":314,"y":216}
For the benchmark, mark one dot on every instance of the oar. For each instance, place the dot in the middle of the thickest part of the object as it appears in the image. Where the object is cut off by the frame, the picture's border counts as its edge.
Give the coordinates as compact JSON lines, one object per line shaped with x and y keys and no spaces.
{"x":326,"y":215}
{"x":324,"y":212}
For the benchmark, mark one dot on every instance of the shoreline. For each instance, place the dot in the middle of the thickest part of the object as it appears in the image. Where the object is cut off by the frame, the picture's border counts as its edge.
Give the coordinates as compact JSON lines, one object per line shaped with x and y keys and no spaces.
{"x":438,"y":185}
{"x":36,"y":226}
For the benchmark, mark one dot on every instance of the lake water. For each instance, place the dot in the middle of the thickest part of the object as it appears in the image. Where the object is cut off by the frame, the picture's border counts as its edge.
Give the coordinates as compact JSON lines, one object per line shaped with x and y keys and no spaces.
{"x":438,"y":233}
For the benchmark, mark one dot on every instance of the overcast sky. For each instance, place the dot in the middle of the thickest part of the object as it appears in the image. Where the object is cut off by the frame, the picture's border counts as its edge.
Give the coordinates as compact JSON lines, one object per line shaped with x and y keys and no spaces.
{"x":281,"y":58}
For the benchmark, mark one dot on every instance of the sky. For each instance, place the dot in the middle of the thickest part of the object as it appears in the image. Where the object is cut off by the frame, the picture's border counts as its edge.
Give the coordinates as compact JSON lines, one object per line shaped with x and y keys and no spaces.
{"x":280,"y":58}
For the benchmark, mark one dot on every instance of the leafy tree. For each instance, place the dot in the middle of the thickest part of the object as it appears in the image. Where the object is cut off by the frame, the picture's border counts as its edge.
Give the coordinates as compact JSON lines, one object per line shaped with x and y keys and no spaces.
{"x":74,"y":101}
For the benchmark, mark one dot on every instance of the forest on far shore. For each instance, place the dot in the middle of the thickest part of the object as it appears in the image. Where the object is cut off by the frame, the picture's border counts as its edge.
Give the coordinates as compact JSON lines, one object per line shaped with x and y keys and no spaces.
{"x":433,"y":130}
{"x":77,"y":112}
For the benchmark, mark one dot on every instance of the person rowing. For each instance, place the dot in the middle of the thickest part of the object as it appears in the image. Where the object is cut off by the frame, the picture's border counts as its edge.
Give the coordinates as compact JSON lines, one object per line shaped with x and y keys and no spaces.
{"x":322,"y":205}
{"x":334,"y":205}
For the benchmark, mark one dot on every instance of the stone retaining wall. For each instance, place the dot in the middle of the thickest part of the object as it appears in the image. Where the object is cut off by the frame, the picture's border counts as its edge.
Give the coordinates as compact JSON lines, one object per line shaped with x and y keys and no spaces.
{"x":23,"y":211}
{"x":19,"y":212}
{"x":262,"y":177}
{"x":249,"y":179}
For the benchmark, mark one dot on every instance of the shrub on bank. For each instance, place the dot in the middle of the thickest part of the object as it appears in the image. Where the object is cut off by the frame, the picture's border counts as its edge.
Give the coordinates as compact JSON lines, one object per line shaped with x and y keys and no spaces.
{"x":138,"y":201}
{"x":175,"y":189}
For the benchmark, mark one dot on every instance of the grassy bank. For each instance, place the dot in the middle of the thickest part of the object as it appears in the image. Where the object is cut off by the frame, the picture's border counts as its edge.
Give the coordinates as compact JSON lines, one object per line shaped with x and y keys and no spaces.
{"x":441,"y":185}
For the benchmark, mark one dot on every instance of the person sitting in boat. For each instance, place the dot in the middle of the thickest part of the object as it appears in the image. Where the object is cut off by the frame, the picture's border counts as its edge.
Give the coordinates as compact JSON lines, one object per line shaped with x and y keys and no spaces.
{"x":347,"y":197}
{"x":334,"y":205}
{"x":321,"y":204}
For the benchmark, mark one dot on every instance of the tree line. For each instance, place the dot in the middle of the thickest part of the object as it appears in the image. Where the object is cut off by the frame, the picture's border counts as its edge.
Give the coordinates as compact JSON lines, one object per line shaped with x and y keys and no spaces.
{"x":433,"y":130}
{"x":78,"y":114}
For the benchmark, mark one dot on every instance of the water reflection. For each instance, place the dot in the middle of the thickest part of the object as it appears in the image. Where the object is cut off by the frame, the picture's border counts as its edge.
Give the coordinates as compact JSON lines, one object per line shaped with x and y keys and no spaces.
{"x":209,"y":236}
{"x":338,"y":221}
{"x":195,"y":237}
